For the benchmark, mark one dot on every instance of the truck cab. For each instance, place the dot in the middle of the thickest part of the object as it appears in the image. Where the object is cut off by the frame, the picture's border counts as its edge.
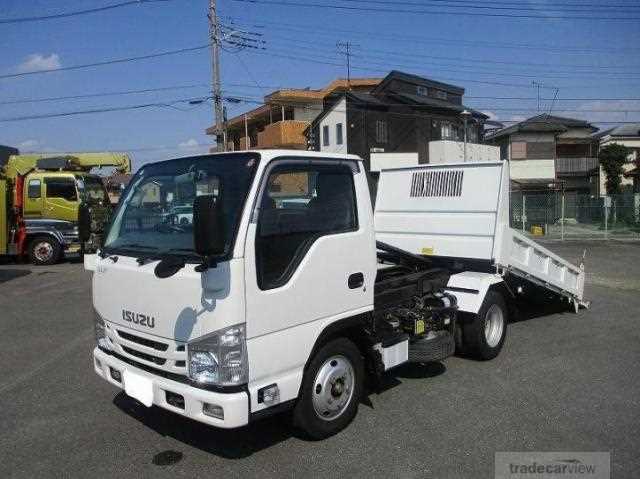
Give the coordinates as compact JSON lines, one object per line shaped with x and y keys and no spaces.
{"x":298,"y":255}
{"x":51,"y":202}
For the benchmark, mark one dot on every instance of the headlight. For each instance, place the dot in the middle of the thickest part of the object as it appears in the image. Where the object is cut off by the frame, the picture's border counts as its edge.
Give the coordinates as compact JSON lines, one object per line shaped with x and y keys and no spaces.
{"x":220,"y":358}
{"x":101,"y":336}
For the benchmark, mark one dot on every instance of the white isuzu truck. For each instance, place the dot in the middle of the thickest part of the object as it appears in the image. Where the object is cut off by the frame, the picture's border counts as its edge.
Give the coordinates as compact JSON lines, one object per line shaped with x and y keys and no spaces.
{"x":282,"y":289}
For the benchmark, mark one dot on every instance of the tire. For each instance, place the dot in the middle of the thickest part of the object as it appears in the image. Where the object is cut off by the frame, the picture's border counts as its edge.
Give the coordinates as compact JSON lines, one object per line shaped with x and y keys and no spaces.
{"x":44,"y":250}
{"x":322,"y":411}
{"x":483,"y":335}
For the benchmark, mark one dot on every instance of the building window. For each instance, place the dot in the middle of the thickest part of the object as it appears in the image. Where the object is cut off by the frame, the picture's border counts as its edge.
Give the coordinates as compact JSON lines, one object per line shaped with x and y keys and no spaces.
{"x":448,"y":131}
{"x":518,"y":150}
{"x":325,"y":135}
{"x":33,"y":190}
{"x":339,"y":134}
{"x":422,"y":91}
{"x":320,"y":203}
{"x":440,"y":95}
{"x":381,"y":131}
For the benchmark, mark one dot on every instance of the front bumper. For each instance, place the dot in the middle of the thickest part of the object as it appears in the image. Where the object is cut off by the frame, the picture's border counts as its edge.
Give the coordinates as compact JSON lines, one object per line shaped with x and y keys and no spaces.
{"x":235,"y":405}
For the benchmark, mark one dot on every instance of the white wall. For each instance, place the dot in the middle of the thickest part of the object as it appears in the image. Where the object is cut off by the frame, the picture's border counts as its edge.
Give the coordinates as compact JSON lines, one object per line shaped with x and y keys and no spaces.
{"x":532,"y":169}
{"x":337,"y":114}
{"x":385,"y":161}
{"x":446,"y":151}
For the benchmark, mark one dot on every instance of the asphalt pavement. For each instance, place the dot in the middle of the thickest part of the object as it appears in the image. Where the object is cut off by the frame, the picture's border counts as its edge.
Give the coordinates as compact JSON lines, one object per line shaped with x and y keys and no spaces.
{"x":563,"y":382}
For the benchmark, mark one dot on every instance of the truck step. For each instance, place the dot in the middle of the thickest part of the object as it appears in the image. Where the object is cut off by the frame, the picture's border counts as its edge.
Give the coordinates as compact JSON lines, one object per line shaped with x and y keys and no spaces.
{"x":432,"y":349}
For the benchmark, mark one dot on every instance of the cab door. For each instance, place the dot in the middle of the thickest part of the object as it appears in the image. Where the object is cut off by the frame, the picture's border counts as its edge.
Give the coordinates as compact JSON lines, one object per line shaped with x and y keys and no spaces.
{"x":310,"y":261}
{"x":33,"y":197}
{"x":61,"y":198}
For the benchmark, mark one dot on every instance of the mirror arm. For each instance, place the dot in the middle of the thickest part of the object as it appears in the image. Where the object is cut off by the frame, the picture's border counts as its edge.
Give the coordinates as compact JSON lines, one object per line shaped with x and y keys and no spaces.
{"x":207,"y":262}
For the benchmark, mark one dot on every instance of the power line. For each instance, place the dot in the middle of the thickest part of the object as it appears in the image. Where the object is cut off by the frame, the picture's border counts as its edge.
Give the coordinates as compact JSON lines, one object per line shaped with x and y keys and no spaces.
{"x":325,"y":31}
{"x":556,"y":7}
{"x":104,"y":110}
{"x":469,"y":60}
{"x":102,"y":94}
{"x":380,"y":70}
{"x":483,"y":97}
{"x":633,"y":109}
{"x":236,"y":99}
{"x":57,"y":16}
{"x":108,"y":62}
{"x":477,"y":69}
{"x":414,"y":115}
{"x":433,"y":12}
{"x":278,"y":87}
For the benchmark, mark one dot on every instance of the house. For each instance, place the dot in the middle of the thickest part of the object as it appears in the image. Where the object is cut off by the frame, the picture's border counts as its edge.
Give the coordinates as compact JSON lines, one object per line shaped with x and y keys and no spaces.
{"x":281,"y":121}
{"x":550,"y":152}
{"x":115,"y":185}
{"x":629,"y":136}
{"x":402,"y":114}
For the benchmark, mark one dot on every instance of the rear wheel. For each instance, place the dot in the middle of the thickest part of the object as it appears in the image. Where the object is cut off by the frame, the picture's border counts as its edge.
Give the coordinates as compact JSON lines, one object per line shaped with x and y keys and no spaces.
{"x":44,"y":250}
{"x":330,"y":390}
{"x":483,"y":334}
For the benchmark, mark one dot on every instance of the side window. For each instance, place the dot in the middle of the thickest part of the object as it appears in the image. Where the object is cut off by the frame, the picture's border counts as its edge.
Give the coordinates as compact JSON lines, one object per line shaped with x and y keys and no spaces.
{"x":298,"y":206}
{"x":61,"y":188}
{"x":381,"y":131}
{"x":339,"y":134}
{"x":325,"y":135}
{"x":33,"y":189}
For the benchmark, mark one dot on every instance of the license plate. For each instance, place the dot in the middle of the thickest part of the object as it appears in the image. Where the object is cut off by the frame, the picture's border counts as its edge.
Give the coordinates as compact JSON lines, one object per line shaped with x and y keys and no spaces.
{"x":138,"y":387}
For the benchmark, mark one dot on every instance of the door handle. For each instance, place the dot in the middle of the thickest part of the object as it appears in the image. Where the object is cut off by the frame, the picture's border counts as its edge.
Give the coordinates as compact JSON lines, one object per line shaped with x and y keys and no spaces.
{"x":356,"y":280}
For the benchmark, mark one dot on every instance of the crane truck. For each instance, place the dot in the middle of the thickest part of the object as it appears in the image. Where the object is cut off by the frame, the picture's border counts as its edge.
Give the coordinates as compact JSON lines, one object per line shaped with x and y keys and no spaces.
{"x":41,"y":198}
{"x":284,"y":290}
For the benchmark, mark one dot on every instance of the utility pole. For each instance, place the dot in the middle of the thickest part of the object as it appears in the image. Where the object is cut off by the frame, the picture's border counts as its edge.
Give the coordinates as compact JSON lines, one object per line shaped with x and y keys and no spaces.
{"x":345,"y":49}
{"x":215,"y":38}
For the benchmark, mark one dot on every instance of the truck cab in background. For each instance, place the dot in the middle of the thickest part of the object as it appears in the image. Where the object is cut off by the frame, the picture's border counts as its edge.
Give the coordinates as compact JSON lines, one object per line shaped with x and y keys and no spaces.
{"x":42,"y":200}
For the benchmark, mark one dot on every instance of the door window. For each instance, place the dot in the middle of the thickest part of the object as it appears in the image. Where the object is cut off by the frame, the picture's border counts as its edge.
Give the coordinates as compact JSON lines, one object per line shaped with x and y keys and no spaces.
{"x":61,"y":188}
{"x":33,"y":189}
{"x":299,"y":205}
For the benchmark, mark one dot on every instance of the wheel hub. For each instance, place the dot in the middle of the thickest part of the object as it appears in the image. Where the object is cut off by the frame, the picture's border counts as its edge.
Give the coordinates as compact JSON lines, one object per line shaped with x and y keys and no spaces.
{"x":333,"y":388}
{"x":43,"y":251}
{"x":493,"y":325}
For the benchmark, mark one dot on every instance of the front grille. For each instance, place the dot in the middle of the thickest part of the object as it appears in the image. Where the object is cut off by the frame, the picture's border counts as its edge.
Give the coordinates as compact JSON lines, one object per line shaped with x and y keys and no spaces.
{"x":162,"y":353}
{"x":145,"y":342}
{"x":146,"y":357}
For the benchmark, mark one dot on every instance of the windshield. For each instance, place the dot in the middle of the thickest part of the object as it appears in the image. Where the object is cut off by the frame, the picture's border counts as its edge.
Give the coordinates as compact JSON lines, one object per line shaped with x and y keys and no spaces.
{"x":92,"y":189}
{"x":156,"y":215}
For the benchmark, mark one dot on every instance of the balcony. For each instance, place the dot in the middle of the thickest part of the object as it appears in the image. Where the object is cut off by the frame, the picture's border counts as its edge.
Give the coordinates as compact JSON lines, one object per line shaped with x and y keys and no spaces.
{"x":283,"y":134}
{"x":576,"y":166}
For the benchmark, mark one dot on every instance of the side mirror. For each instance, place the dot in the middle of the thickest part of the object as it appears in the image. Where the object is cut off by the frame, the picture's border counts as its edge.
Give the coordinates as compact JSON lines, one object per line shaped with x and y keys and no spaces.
{"x":208,"y":226}
{"x":84,"y":222}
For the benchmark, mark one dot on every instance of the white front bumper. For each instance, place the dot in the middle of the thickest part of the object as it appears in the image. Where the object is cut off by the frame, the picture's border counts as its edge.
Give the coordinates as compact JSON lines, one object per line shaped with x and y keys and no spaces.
{"x":235,"y":405}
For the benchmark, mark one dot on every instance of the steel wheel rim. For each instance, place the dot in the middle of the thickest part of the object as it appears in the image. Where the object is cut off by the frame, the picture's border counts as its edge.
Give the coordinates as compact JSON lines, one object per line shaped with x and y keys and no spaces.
{"x":333,"y":388}
{"x":493,"y":325}
{"x":43,"y":251}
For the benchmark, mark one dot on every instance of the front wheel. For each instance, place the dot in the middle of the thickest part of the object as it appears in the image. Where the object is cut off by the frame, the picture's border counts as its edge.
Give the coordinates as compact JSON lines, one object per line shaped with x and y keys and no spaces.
{"x":483,"y":334}
{"x":44,"y":250}
{"x":331,"y":390}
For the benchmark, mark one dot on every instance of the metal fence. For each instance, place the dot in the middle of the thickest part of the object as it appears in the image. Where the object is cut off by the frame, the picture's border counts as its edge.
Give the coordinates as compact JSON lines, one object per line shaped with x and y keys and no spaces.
{"x":569,"y":215}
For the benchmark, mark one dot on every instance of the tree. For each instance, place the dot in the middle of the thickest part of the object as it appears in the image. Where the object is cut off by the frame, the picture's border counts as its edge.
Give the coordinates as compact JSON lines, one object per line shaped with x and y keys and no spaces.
{"x":612,"y":159}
